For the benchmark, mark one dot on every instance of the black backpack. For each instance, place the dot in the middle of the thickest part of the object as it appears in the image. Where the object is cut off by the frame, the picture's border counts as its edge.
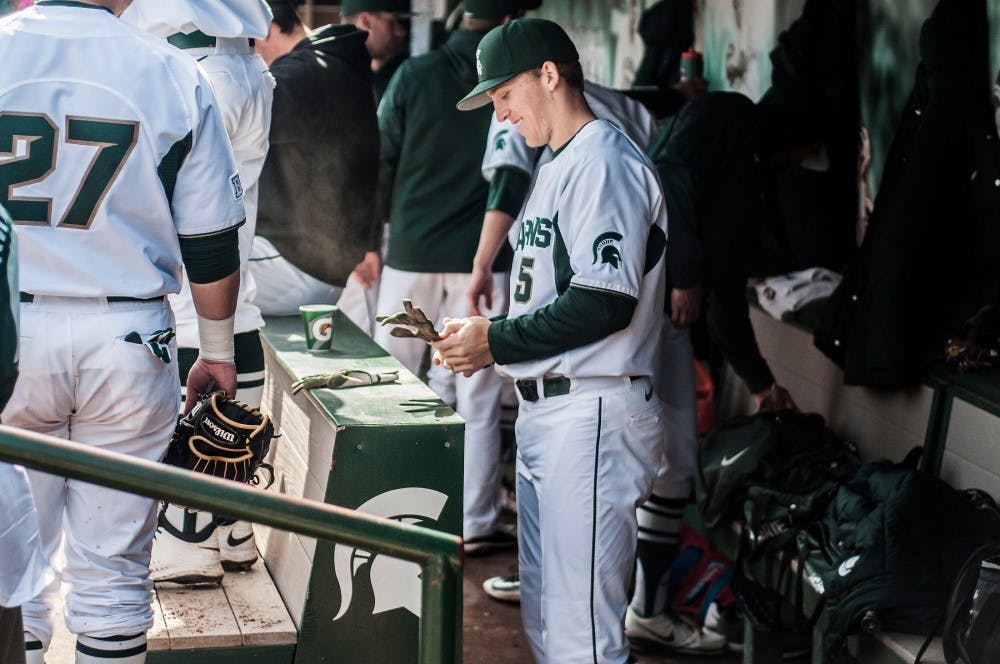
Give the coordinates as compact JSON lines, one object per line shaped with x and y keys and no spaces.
{"x":888,"y":550}
{"x":789,"y":463}
{"x":972,"y":618}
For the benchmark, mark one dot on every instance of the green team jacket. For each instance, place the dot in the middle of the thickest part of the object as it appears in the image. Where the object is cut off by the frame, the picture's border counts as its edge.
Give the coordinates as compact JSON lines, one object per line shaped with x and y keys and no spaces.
{"x":430,"y":186}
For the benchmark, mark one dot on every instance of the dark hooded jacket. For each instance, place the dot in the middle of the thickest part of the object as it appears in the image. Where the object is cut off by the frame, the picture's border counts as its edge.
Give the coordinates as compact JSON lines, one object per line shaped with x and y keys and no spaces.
{"x":931,"y":256}
{"x":430,"y":184}
{"x":317,"y":188}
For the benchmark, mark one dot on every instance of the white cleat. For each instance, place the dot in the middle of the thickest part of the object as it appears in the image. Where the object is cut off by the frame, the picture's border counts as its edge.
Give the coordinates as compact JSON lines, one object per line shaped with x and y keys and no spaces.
{"x":671,"y":633}
{"x":237,"y":547}
{"x":185,"y":549}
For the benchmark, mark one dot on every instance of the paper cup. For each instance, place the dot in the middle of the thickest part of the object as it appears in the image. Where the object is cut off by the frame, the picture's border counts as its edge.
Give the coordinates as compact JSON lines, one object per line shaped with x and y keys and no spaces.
{"x":318,"y":322}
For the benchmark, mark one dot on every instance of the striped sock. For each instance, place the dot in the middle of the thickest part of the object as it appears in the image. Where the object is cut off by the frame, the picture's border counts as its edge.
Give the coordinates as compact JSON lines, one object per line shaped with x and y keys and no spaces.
{"x":659,"y":524}
{"x":111,"y":650}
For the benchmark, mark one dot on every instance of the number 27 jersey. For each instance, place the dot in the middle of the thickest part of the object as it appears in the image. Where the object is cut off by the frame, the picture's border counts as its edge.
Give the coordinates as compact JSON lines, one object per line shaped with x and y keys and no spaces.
{"x":595,"y":219}
{"x":110,"y":147}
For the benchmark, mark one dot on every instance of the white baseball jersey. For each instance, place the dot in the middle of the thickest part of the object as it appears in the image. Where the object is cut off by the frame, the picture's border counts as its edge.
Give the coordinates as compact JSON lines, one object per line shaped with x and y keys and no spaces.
{"x":586,"y":223}
{"x":218,"y":18}
{"x":243,"y":89}
{"x":506,"y":147}
{"x":64,"y":147}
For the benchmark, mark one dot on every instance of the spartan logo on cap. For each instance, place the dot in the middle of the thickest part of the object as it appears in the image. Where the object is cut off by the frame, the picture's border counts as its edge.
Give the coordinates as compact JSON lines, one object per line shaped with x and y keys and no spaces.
{"x":237,"y":186}
{"x":479,"y":63}
{"x":606,"y":249}
{"x":395,"y":583}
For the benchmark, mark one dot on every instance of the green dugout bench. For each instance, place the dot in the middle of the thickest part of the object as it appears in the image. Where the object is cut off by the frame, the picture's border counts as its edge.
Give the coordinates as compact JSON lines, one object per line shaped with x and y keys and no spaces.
{"x":956,"y":418}
{"x":390,"y":450}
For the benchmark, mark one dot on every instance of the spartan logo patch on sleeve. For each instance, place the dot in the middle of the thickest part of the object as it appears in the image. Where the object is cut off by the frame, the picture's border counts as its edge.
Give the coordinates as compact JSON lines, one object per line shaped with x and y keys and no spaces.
{"x":607,"y":249}
{"x":237,"y":186}
{"x":500,"y":141}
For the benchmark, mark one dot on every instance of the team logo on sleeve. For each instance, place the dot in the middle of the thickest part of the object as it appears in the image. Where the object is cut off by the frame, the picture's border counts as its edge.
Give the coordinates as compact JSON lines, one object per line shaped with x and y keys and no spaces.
{"x":500,"y":142}
{"x":607,"y":249}
{"x":237,"y":186}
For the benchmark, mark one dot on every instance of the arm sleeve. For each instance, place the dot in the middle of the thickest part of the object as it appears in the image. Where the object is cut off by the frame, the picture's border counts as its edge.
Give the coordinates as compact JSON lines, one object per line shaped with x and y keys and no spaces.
{"x":508,"y":190}
{"x":391,"y":124}
{"x":684,"y":250}
{"x":685,"y":254}
{"x":208,"y":258}
{"x":576,"y":318}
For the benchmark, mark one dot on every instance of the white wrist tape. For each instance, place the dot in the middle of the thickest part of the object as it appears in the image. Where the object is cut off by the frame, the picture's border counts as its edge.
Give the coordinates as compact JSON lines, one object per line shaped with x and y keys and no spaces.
{"x":216,"y":339}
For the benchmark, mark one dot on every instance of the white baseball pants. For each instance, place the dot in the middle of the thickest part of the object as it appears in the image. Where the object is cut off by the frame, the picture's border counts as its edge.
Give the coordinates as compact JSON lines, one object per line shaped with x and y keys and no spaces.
{"x":585,"y":461}
{"x":80,"y":380}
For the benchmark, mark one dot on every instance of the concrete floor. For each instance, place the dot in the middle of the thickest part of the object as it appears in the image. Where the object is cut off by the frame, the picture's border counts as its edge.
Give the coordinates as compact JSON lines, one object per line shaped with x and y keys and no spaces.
{"x":492,"y":630}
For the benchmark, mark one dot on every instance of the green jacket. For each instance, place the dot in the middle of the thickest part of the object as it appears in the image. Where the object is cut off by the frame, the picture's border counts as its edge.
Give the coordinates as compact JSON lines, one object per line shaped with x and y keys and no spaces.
{"x":430,"y":186}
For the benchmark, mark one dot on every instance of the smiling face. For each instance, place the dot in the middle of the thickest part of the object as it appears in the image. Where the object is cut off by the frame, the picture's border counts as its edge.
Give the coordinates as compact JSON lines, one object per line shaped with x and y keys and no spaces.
{"x":524,"y":100}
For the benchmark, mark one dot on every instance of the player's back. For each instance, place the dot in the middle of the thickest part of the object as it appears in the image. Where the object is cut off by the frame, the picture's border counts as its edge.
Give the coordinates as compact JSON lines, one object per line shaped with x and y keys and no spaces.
{"x":98,"y":117}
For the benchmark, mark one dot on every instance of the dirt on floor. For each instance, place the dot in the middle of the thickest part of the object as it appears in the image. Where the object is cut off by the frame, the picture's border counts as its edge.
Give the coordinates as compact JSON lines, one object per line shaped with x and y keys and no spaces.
{"x":492,"y":630}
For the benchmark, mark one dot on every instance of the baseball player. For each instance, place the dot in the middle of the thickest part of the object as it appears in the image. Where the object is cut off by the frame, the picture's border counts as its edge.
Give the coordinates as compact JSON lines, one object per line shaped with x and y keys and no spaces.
{"x":509,"y":166}
{"x":189,"y":547}
{"x":435,"y":216}
{"x":387,"y":24}
{"x":115,"y":165}
{"x":580,"y":341}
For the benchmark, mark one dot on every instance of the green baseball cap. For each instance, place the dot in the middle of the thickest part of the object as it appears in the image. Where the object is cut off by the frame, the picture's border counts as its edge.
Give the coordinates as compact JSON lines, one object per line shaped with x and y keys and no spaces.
{"x":352,"y":7}
{"x":498,"y":8}
{"x":516,"y":46}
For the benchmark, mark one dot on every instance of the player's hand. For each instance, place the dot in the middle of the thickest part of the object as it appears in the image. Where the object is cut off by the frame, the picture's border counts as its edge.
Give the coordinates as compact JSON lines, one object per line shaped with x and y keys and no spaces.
{"x":685,"y":306}
{"x":369,"y":269}
{"x":206,"y":375}
{"x":464,"y":347}
{"x":480,"y":290}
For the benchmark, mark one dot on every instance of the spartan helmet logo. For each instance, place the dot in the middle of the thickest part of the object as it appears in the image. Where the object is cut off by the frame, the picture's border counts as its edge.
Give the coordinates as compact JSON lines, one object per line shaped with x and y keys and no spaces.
{"x":606,"y":249}
{"x":479,"y":63}
{"x":395,"y":583}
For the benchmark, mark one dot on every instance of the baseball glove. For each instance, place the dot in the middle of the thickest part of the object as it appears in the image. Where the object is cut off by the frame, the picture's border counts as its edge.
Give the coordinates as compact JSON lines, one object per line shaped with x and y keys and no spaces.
{"x":222,"y":437}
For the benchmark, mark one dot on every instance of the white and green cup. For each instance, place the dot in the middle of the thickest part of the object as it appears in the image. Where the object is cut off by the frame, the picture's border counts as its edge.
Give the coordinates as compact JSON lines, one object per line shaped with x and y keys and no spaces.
{"x":318,"y":321}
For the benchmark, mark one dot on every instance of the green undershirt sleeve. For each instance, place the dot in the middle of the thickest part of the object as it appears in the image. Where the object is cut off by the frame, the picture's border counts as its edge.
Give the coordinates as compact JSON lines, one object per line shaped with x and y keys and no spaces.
{"x":508,"y":189}
{"x":576,"y":318}
{"x":208,"y":258}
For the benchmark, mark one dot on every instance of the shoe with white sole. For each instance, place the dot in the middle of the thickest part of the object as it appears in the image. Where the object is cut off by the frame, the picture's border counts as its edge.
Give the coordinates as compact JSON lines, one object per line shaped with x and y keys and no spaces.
{"x":185,"y":548}
{"x":503,"y":588}
{"x":237,"y":547}
{"x":671,"y":633}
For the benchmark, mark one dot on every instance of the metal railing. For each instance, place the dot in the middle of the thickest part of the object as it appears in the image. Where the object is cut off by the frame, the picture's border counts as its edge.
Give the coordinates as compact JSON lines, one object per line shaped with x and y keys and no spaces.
{"x":438,"y":554}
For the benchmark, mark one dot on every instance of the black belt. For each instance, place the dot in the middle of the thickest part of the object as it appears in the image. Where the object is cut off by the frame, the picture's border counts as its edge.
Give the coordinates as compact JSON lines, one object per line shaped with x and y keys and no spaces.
{"x":196,"y":39}
{"x":551,"y":387}
{"x":30,"y":297}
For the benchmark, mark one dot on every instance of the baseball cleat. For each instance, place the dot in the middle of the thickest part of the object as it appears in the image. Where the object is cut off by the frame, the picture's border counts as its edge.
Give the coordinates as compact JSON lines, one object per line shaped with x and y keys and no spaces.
{"x":237,"y":547}
{"x":185,"y":548}
{"x":671,"y":633}
{"x":503,"y":588}
{"x":504,"y":536}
